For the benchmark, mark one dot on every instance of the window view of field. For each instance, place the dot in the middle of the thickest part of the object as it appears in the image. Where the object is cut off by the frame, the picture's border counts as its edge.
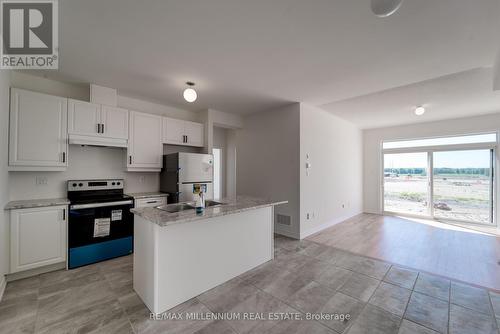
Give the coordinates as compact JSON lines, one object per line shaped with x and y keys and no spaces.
{"x":405,"y":183}
{"x":461,"y":180}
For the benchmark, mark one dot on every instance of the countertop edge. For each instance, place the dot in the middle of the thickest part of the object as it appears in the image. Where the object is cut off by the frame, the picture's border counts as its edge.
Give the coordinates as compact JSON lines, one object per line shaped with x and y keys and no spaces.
{"x":35,"y":203}
{"x":211,"y":214}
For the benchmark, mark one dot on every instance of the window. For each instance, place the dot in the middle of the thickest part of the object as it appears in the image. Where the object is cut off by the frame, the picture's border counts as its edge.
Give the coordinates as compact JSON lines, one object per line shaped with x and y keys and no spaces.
{"x":405,"y":183}
{"x":442,"y":178}
{"x":463,"y":184}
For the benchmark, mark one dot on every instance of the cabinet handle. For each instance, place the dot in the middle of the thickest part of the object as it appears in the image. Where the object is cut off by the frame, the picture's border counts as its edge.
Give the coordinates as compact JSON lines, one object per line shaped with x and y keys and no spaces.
{"x":151,"y":202}
{"x":64,"y":214}
{"x":130,"y":160}
{"x":98,"y":128}
{"x":102,"y":129}
{"x":64,"y":157}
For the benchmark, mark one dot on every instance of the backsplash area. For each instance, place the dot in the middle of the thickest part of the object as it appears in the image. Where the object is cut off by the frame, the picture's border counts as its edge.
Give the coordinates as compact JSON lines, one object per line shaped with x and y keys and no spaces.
{"x":85,"y":162}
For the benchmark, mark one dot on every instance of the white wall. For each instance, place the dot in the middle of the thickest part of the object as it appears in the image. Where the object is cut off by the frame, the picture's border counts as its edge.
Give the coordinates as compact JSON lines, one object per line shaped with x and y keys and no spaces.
{"x":52,"y":87}
{"x":332,"y":192}
{"x":158,"y":109}
{"x":4,"y":197}
{"x":268,"y":161}
{"x":373,"y":138}
{"x":214,"y":118}
{"x":88,"y":162}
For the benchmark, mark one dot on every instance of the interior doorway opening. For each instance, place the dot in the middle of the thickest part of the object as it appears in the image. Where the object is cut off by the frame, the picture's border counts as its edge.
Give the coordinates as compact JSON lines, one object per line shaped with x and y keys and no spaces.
{"x":224,"y":152}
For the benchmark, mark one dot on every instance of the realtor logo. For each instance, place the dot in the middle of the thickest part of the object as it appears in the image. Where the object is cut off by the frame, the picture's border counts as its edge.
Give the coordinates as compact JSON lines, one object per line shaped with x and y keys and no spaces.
{"x":29,"y":38}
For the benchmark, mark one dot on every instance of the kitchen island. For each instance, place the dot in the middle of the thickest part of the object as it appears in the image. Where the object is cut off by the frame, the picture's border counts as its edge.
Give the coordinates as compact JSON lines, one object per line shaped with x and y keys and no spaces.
{"x":179,"y":255}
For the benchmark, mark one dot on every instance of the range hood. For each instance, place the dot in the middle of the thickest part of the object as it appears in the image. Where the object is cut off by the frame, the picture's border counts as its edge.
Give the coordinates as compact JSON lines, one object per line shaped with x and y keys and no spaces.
{"x":96,"y":141}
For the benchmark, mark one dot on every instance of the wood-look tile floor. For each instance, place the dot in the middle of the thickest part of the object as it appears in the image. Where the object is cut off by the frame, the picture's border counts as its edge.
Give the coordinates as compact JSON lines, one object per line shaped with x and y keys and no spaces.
{"x":305,"y":277}
{"x":450,"y":251}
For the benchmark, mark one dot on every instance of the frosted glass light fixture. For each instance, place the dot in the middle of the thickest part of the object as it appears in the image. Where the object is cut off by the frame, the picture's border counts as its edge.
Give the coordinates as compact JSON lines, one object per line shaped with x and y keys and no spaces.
{"x":190,"y":94}
{"x":419,"y":111}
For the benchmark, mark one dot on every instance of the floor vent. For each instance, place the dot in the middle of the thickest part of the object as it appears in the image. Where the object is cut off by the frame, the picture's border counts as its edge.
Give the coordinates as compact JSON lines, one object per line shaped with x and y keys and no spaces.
{"x":283,"y":219}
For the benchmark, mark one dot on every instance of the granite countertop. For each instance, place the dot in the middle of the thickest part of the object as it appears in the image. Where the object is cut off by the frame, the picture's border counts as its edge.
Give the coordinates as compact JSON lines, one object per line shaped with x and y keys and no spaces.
{"x":147,"y":195}
{"x":36,"y":203}
{"x":231,"y":206}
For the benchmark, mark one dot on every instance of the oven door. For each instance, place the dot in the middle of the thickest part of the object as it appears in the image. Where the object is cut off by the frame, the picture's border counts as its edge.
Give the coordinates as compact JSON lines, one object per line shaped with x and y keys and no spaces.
{"x":99,"y":231}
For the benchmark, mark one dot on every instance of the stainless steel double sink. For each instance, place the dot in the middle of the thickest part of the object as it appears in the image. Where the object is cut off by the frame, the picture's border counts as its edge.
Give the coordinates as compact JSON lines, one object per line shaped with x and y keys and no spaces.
{"x":173,"y":208}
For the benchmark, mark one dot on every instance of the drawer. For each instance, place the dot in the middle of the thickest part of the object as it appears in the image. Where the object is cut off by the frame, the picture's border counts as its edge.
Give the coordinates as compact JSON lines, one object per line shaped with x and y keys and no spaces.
{"x":150,"y":202}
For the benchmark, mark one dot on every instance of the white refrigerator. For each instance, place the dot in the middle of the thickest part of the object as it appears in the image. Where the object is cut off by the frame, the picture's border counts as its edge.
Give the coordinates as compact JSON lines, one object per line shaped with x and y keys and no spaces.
{"x":182,"y":172}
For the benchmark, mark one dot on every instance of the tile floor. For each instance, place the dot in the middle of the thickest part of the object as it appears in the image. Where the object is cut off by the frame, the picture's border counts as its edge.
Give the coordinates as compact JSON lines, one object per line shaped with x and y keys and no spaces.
{"x":305,"y":277}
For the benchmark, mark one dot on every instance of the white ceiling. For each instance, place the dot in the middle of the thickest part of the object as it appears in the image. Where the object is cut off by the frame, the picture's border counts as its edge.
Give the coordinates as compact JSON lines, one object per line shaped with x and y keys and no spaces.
{"x":246,"y":56}
{"x":453,"y":96}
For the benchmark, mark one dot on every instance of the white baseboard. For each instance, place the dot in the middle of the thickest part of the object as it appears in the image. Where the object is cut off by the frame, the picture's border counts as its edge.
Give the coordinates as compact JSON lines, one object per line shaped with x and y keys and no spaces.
{"x":3,"y":284}
{"x":330,"y":223}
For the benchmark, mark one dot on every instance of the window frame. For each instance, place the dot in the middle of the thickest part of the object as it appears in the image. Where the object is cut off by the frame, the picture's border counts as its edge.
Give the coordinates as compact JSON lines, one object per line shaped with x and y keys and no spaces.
{"x":441,"y":148}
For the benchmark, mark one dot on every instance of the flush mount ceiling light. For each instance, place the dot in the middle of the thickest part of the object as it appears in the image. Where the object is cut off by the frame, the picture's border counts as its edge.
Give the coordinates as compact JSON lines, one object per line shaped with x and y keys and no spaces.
{"x":419,"y":111}
{"x":384,"y":8}
{"x":189,"y":93}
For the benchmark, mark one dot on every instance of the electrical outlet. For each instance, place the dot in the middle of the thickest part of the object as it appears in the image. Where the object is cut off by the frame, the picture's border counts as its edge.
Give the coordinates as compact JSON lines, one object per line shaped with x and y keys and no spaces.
{"x":307,"y":216}
{"x":343,"y":206}
{"x":41,"y":180}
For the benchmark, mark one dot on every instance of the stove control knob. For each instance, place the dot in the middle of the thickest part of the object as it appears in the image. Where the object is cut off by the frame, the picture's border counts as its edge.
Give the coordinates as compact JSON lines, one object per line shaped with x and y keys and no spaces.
{"x":74,"y":184}
{"x":118,"y":183}
{"x":80,"y":184}
{"x":113,"y":184}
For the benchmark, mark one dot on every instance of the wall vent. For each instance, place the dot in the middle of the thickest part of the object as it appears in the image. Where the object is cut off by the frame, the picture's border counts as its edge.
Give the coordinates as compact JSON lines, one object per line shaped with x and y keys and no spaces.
{"x":283,"y":219}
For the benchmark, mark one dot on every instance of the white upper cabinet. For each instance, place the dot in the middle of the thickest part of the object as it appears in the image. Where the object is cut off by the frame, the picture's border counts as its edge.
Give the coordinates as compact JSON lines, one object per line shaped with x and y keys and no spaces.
{"x":115,"y":122}
{"x":179,"y":132}
{"x":194,"y":133}
{"x":38,"y":136}
{"x":95,"y":124}
{"x":173,"y":131}
{"x":84,"y":118}
{"x":37,"y":237}
{"x":145,"y":149}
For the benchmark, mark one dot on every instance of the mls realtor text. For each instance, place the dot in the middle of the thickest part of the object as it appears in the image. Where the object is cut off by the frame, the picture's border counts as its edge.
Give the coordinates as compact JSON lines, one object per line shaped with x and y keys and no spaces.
{"x":273,"y":316}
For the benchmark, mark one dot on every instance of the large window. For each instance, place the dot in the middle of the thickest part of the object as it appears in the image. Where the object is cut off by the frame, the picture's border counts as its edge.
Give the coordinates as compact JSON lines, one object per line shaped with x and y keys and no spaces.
{"x":406,"y":183}
{"x":445,"y":178}
{"x":463,"y":184}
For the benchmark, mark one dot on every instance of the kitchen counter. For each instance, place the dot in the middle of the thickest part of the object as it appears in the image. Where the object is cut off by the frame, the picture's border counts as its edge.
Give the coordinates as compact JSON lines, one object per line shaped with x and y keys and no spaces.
{"x":230,"y":206}
{"x":178,"y":256}
{"x":147,"y":195}
{"x":36,"y":203}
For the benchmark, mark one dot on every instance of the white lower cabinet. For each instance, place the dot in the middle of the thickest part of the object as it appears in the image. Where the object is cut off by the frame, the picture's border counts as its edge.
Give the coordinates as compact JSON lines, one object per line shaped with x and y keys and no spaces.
{"x":37,"y":237}
{"x":150,"y":202}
